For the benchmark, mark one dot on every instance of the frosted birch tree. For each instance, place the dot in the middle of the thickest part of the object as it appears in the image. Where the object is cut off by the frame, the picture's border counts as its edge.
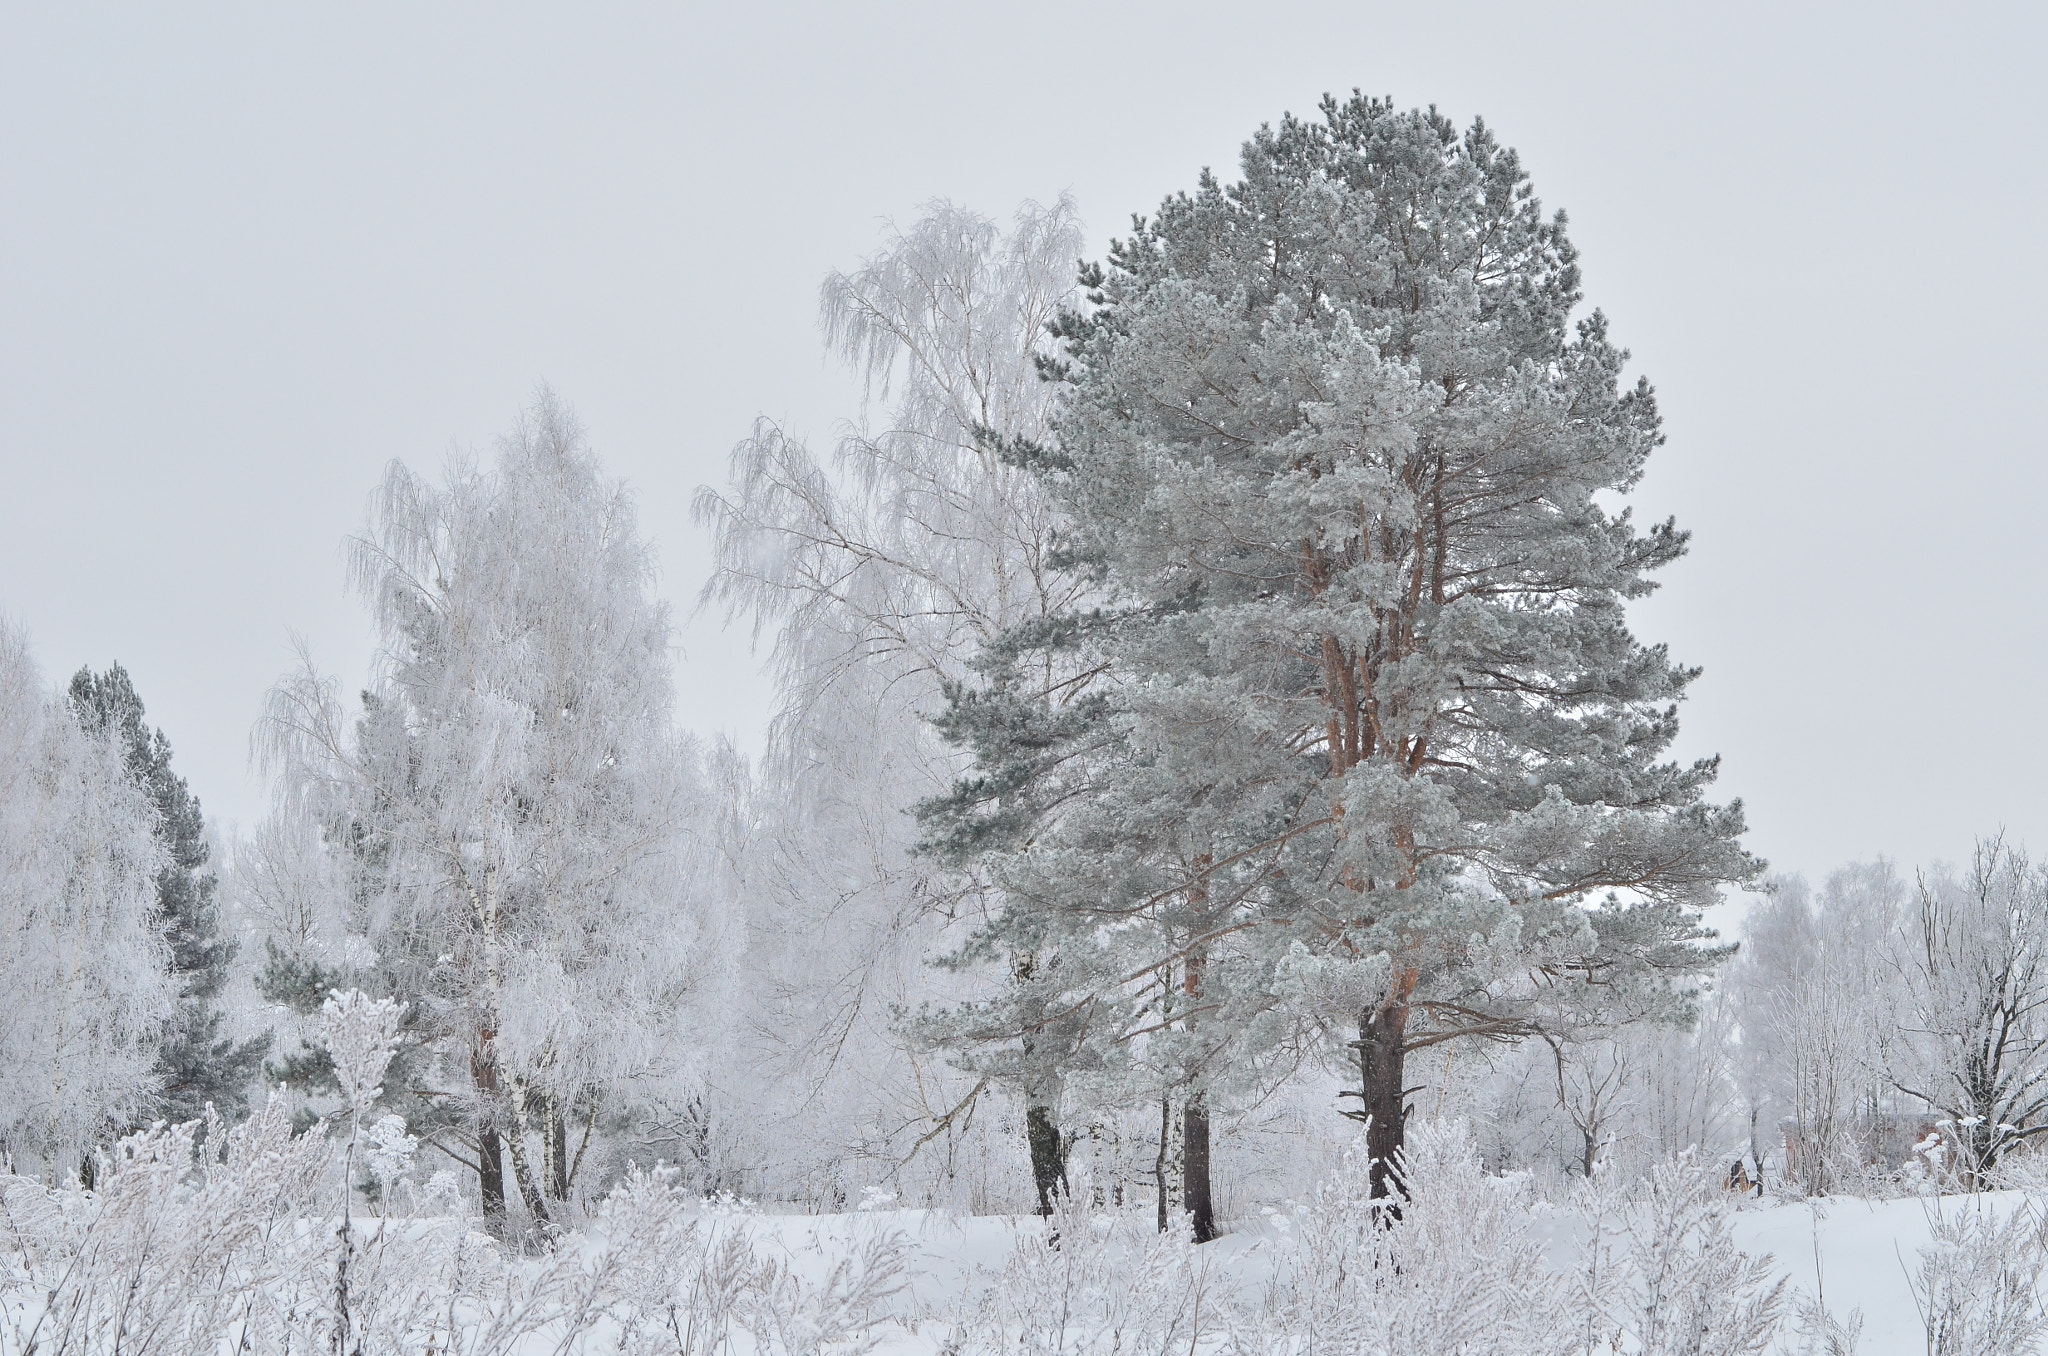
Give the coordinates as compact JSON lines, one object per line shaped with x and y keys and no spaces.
{"x":1375,"y":722}
{"x":1814,"y":992}
{"x":514,"y":813}
{"x":880,"y":576}
{"x":198,"y":1064}
{"x":85,"y":997}
{"x":1971,"y":967}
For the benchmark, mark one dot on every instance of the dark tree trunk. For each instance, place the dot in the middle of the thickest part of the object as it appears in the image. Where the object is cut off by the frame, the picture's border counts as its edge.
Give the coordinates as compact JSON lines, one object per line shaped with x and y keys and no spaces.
{"x":490,"y":1178}
{"x":1194,"y":1159}
{"x":1196,"y":1198}
{"x":555,"y":1132}
{"x":1048,"y":1152}
{"x":1382,"y":1064}
{"x":1042,"y":1087}
{"x":490,"y":1148}
{"x":1159,"y":1164}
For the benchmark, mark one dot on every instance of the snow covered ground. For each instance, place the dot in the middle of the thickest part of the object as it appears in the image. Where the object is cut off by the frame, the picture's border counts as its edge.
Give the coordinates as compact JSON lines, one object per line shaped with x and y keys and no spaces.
{"x":1858,"y":1256}
{"x":163,"y":1260}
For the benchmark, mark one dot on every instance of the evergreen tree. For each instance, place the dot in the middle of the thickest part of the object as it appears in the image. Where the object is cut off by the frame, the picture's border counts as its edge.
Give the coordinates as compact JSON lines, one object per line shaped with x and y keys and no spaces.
{"x":198,"y":1066}
{"x":1374,"y":747}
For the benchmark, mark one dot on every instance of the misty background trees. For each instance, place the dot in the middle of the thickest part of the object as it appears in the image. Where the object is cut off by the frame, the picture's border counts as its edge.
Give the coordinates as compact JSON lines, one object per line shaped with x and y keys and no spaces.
{"x":1207,"y":719}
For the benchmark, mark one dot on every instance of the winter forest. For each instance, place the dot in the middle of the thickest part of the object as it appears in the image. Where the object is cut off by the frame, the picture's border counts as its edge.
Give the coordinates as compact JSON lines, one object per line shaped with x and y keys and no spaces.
{"x":1217,"y":880}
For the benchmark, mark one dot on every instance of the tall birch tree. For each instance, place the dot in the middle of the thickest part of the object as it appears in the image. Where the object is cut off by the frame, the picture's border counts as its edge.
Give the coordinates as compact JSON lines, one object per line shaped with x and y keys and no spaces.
{"x":516,"y":813}
{"x":85,"y":993}
{"x":880,"y":575}
{"x":1970,"y":993}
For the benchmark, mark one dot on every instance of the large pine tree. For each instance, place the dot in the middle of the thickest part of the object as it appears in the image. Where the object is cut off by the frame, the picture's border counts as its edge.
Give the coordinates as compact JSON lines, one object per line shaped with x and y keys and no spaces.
{"x":197,"y":1064}
{"x":1370,"y":744}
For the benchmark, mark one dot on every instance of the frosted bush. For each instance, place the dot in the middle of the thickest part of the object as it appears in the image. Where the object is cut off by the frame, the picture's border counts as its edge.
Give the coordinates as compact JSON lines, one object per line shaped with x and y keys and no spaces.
{"x":1459,"y":1272}
{"x":685,"y":1280}
{"x":361,"y":1033}
{"x":1976,"y":1284}
{"x":388,"y":1153}
{"x":1680,"y":1286}
{"x":1822,"y":1334}
{"x":846,"y":1312}
{"x":177,"y":1253}
{"x":1088,"y":1281}
{"x":164,"y":1255}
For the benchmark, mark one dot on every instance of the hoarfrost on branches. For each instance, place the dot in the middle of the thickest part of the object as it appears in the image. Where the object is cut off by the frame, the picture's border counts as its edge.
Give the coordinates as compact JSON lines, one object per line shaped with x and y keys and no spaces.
{"x":84,"y":970}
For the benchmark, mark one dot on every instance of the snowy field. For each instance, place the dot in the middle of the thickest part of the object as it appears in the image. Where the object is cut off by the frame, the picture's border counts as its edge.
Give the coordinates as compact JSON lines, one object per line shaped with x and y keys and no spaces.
{"x":1206,"y":720}
{"x":168,"y":1255}
{"x":1862,"y":1256}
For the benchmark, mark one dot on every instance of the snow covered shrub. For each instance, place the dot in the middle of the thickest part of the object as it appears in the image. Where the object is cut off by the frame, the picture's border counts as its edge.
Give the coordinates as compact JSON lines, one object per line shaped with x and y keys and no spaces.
{"x":1681,"y":1287}
{"x":1096,"y":1281}
{"x":362,"y":1037}
{"x":680,"y":1282}
{"x":1459,"y":1273}
{"x":164,"y":1255}
{"x":1977,"y":1282}
{"x":1822,"y":1334}
{"x":845,"y":1312}
{"x":388,"y":1154}
{"x":684,"y":1284}
{"x":361,"y":1034}
{"x":176,"y":1251}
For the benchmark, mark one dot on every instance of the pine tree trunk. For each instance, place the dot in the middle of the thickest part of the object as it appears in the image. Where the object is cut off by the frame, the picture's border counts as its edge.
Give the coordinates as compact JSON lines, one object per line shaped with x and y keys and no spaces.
{"x":1195,"y":1191}
{"x":1048,"y":1151}
{"x":1194,"y":1159}
{"x":1382,"y":1066}
{"x":1042,"y":1088}
{"x":1194,"y":1138}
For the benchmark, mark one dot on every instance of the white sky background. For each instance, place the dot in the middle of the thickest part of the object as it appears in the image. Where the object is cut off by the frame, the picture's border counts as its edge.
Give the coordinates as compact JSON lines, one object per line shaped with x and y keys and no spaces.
{"x":249,"y":254}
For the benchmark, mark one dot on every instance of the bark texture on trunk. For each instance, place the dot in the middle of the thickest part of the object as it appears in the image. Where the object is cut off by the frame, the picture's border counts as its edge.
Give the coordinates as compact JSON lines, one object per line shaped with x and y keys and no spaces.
{"x":1382,"y":1066}
{"x":490,"y":1179}
{"x":1042,"y":1089}
{"x":529,"y":1188}
{"x":1048,"y":1153}
{"x":1195,"y":1167}
{"x":490,"y":1149}
{"x":1196,"y":1197}
{"x":555,"y":1150}
{"x":1159,"y":1164}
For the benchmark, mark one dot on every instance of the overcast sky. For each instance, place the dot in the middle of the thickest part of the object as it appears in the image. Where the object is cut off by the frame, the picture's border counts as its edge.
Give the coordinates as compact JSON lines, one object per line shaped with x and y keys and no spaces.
{"x":250,"y":254}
